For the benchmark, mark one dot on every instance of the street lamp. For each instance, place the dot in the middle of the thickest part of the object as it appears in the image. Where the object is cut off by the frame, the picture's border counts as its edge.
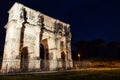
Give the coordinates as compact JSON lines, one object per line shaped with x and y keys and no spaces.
{"x":79,"y":59}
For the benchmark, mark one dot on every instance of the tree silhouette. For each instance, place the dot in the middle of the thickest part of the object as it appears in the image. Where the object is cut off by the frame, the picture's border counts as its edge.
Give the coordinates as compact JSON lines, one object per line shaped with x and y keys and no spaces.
{"x":98,"y":49}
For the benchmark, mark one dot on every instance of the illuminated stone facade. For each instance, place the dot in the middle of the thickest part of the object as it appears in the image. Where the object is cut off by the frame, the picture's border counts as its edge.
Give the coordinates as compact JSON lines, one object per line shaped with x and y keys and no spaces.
{"x":27,"y":31}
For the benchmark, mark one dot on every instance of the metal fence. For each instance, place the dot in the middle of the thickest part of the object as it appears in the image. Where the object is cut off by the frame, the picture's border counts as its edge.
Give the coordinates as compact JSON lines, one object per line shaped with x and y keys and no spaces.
{"x":81,"y":64}
{"x":95,"y":64}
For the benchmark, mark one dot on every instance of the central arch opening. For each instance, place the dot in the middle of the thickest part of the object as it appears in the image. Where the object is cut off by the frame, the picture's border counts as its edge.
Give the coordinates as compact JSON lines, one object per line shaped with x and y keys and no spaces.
{"x":44,"y":55}
{"x":42,"y":51}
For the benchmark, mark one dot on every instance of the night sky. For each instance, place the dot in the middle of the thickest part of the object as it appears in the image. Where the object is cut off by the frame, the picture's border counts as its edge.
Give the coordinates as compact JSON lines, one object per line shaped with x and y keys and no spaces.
{"x":89,"y":19}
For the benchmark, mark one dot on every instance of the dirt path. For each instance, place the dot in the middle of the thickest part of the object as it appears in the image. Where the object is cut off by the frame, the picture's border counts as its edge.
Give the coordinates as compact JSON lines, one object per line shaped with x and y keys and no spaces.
{"x":96,"y":69}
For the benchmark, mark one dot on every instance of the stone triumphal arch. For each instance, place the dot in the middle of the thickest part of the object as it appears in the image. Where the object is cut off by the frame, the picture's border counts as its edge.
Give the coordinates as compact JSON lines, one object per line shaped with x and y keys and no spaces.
{"x":35,"y":41}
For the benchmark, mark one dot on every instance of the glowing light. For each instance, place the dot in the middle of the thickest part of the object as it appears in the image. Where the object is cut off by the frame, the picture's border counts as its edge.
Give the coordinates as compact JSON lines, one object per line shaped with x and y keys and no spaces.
{"x":78,"y":55}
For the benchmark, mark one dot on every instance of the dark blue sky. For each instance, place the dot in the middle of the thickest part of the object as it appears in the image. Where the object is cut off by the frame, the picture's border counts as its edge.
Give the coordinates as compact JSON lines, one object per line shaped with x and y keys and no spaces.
{"x":89,"y":19}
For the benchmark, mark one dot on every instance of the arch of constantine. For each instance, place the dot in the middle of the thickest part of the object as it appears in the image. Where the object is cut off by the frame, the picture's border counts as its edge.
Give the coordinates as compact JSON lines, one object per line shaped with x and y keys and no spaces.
{"x":35,"y":41}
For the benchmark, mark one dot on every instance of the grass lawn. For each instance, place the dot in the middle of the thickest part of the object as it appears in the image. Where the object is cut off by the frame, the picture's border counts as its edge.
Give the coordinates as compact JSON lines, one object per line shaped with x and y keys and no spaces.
{"x":70,"y":75}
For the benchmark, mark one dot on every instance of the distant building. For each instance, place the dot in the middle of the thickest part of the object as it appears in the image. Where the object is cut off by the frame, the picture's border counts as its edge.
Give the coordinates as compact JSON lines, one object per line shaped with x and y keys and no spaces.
{"x":27,"y":31}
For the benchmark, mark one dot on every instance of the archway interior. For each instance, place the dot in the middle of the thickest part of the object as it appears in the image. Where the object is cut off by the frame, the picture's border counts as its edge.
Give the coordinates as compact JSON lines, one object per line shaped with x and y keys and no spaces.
{"x":44,"y":54}
{"x":24,"y":59}
{"x":63,"y":60}
{"x":63,"y":56}
{"x":42,"y":51}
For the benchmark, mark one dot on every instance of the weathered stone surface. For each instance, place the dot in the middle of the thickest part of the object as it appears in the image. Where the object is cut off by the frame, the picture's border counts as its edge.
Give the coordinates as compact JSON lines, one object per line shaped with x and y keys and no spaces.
{"x":26,"y":31}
